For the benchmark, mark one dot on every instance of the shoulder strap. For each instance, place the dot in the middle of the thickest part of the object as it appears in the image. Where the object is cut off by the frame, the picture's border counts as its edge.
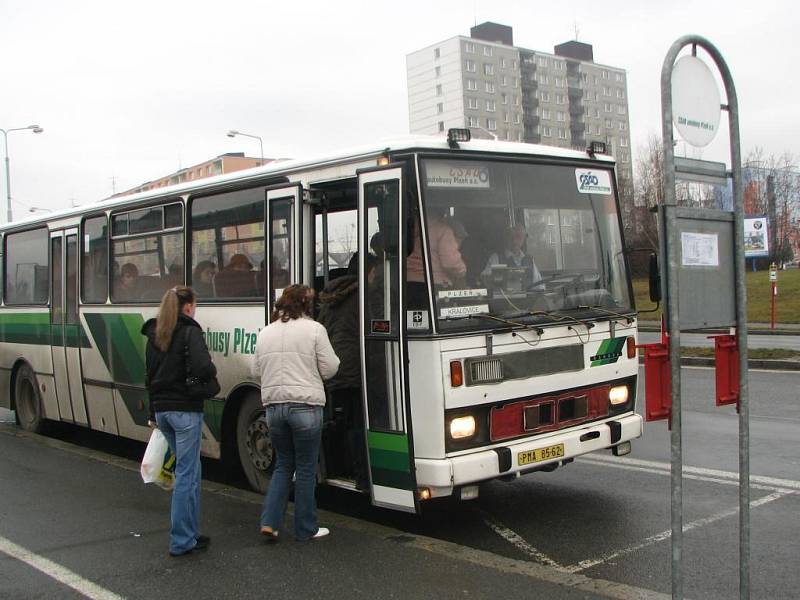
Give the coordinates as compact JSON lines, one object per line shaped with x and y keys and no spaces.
{"x":186,"y":354}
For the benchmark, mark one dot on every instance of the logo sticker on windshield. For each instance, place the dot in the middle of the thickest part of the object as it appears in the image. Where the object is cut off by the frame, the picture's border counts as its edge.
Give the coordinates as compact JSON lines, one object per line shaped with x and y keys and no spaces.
{"x":593,"y":181}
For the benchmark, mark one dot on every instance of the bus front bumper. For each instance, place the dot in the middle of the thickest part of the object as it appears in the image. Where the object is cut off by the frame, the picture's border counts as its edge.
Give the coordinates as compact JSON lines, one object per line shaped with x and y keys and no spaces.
{"x":442,"y":476}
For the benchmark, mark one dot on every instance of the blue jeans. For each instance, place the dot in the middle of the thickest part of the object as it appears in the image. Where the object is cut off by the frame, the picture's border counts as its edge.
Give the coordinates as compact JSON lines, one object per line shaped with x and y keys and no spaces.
{"x":295,"y":429}
{"x":183,"y":432}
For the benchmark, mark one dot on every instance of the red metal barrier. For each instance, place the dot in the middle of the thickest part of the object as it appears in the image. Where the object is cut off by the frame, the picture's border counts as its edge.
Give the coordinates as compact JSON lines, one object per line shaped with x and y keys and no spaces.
{"x":726,"y":355}
{"x":657,"y":379}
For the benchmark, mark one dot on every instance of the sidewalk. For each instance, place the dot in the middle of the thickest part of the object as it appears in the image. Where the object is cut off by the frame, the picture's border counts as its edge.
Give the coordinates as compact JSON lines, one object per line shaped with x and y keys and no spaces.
{"x":104,"y":525}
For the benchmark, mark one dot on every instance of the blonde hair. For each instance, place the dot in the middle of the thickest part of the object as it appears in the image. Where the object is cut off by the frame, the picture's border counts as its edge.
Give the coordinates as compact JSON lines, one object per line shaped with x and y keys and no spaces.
{"x":172,"y":304}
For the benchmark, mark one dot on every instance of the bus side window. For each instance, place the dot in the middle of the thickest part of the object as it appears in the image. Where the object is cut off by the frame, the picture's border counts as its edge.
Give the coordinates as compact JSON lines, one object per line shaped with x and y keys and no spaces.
{"x":94,"y":265}
{"x":27,"y":269}
{"x":228,"y":245}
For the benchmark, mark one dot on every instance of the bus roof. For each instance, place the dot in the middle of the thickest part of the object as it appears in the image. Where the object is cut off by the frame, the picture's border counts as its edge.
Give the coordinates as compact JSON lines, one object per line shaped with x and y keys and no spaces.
{"x":287,"y":166}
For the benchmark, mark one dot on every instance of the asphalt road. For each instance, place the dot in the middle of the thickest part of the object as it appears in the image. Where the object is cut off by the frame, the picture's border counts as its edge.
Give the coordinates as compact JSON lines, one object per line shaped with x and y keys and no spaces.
{"x":603,"y":520}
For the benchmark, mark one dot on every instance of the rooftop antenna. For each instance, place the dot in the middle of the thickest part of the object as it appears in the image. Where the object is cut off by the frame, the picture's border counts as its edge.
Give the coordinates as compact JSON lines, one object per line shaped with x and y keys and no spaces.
{"x":113,"y":184}
{"x":577,"y":31}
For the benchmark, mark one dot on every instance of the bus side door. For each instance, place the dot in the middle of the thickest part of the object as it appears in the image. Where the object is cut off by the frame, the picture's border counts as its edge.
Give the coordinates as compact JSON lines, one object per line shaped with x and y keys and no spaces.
{"x":284,"y":251}
{"x":65,"y":327}
{"x":384,"y":372}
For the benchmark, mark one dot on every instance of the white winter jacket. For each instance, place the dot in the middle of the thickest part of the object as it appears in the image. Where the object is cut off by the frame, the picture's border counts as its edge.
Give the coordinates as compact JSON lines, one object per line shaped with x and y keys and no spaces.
{"x":292,"y":359}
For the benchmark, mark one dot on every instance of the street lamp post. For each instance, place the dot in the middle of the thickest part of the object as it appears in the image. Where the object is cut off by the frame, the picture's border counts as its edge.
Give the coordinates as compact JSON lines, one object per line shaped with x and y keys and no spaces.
{"x":234,"y":133}
{"x":35,"y":129}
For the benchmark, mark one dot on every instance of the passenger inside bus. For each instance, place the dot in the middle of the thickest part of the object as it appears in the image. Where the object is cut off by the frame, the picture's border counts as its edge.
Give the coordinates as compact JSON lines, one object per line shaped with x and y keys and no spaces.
{"x":203,"y":278}
{"x":447,"y":264}
{"x":128,"y":283}
{"x":237,"y":279}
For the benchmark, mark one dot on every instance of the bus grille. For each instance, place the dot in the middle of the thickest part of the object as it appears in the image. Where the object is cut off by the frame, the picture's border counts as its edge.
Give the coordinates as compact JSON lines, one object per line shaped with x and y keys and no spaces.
{"x":486,"y":371}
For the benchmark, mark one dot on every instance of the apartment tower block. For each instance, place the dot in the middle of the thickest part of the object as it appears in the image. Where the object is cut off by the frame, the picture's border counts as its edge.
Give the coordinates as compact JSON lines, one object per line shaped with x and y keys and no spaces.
{"x":499,"y":90}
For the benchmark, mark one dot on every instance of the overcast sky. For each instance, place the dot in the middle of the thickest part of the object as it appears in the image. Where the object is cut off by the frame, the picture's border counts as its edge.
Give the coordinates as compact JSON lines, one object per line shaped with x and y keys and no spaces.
{"x":130,"y":91}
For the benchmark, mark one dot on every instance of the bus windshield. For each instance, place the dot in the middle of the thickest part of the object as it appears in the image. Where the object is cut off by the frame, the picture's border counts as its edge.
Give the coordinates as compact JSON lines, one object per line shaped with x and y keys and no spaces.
{"x":519,"y":241}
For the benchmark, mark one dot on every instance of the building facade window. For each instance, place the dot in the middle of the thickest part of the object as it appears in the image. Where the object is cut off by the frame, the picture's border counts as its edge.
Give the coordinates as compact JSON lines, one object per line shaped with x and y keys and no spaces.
{"x":471,"y":66}
{"x":620,"y":94}
{"x":491,"y":124}
{"x":622,"y":126}
{"x":545,"y":114}
{"x":438,"y":89}
{"x":503,"y":80}
{"x":469,"y":47}
{"x":604,"y":73}
{"x":440,"y":108}
{"x":561,"y":99}
{"x":560,"y":116}
{"x":502,"y":62}
{"x":488,"y":69}
{"x":623,"y":141}
{"x":490,"y":106}
{"x":516,"y":118}
{"x":438,"y":71}
{"x":472,"y":122}
{"x":489,"y":87}
{"x":562,"y":133}
{"x":487,"y":50}
{"x":436,"y":53}
{"x":441,"y":126}
{"x":542,"y":61}
{"x":472,"y":85}
{"x":607,"y":107}
{"x":618,"y":77}
{"x":546,"y":131}
{"x":505,"y":116}
{"x":609,"y":124}
{"x":504,"y":98}
{"x":472,"y":103}
{"x":545,"y":96}
{"x":543,"y":79}
{"x":620,"y":110}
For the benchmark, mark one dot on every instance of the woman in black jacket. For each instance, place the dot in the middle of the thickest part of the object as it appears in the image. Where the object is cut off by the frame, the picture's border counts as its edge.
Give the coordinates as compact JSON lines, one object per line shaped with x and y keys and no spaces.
{"x":179,"y":417}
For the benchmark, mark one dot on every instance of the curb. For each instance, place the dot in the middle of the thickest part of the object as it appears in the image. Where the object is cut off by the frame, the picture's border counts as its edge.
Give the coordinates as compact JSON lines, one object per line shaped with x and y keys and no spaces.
{"x":760,"y":364}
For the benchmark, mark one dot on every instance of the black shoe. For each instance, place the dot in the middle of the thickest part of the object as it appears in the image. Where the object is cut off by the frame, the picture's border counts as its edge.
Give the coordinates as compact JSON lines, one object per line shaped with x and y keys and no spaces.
{"x":203,"y":542}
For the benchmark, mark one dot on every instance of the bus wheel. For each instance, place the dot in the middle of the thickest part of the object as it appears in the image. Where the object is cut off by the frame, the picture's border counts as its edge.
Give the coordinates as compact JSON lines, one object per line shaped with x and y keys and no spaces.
{"x":28,"y":404}
{"x":256,"y":454}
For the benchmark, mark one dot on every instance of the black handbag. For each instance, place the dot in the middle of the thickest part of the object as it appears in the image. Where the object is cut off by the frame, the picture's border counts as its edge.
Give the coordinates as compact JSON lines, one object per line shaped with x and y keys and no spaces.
{"x":198,"y":389}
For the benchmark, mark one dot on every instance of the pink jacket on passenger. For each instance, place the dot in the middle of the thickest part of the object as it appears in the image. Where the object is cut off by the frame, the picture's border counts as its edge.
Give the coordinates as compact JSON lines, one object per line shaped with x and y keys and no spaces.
{"x":446,"y":258}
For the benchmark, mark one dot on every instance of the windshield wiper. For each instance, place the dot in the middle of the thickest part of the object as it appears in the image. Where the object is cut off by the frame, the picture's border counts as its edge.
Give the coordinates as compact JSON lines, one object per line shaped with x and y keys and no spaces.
{"x":628,"y":319}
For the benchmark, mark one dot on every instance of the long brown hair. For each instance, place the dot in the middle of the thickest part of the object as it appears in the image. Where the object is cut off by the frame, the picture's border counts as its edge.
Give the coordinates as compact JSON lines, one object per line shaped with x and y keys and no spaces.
{"x":296,"y":301}
{"x":172,"y":304}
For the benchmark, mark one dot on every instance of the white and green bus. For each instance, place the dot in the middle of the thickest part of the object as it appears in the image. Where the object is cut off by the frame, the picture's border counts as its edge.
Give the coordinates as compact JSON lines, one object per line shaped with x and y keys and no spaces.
{"x":493,"y":370}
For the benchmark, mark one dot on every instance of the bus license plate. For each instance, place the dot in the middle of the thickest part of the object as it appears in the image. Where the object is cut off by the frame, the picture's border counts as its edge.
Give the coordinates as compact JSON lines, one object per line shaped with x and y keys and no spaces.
{"x":540,"y":454}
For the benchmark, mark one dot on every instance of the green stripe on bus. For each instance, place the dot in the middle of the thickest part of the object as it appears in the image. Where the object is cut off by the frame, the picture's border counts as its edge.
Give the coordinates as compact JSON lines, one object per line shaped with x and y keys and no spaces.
{"x":25,"y":328}
{"x":396,"y":461}
{"x":122,"y":349}
{"x":611,"y":346}
{"x":392,"y":479}
{"x":395,"y":442}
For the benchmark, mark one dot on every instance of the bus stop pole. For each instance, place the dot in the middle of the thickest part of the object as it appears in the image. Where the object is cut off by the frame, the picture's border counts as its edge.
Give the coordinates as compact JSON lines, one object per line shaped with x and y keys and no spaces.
{"x":741,"y":307}
{"x":673,"y":325}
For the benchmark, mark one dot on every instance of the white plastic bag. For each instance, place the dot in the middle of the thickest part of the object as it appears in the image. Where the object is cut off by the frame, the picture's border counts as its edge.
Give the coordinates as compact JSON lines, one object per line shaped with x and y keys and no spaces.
{"x":158,"y":464}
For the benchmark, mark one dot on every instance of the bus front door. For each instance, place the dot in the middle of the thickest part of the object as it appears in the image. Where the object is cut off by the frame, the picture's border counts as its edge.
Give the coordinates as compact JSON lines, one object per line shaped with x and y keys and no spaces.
{"x":66,"y":332}
{"x":284,"y":214}
{"x":383,"y":344}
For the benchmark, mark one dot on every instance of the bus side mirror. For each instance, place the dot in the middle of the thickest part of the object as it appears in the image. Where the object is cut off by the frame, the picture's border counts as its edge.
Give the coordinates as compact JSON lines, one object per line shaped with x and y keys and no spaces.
{"x":655,"y":279}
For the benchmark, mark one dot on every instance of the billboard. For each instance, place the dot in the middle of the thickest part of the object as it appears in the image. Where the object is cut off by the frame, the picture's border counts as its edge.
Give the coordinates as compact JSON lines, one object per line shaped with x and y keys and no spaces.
{"x":756,"y":237}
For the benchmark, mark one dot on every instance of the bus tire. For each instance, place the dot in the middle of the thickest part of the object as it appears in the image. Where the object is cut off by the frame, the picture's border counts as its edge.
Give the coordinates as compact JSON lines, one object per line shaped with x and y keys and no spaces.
{"x":256,"y":454}
{"x":27,"y":401}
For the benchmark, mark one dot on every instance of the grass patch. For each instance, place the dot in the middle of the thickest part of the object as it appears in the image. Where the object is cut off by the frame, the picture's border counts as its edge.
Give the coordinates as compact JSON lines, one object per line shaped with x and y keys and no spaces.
{"x":787,"y":308}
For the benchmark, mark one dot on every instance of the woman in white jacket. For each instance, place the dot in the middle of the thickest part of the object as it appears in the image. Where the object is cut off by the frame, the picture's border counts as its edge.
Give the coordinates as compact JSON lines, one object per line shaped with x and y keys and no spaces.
{"x":293,"y":357}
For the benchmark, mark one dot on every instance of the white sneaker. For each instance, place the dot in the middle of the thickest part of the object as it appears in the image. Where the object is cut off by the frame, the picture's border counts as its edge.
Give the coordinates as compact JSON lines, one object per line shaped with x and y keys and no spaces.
{"x":321,"y":533}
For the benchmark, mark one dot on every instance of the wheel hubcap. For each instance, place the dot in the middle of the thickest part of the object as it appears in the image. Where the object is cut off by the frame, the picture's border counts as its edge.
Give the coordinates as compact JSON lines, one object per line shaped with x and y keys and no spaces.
{"x":26,"y":407}
{"x":259,"y":444}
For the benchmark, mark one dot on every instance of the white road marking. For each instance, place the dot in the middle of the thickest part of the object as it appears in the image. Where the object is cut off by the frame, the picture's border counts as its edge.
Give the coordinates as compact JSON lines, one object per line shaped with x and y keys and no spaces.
{"x":57,"y":572}
{"x":516,"y":540}
{"x":711,"y":475}
{"x":665,"y":535}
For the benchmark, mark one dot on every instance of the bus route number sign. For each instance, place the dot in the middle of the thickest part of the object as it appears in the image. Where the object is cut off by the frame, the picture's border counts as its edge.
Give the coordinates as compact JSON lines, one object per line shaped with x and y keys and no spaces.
{"x":540,"y":454}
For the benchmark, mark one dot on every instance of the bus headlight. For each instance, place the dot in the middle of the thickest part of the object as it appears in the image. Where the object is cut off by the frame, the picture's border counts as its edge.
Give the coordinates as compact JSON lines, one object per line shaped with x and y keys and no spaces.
{"x":462,"y":427}
{"x":618,"y":395}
